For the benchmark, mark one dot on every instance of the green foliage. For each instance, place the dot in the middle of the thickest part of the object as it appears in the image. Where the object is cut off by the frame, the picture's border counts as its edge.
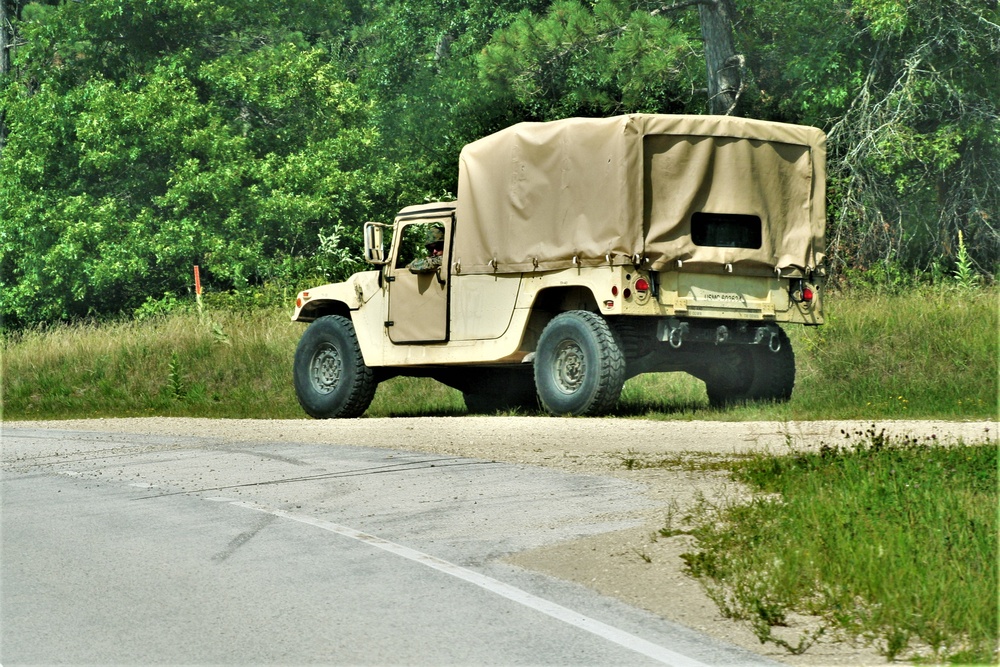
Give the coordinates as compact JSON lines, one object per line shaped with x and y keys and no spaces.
{"x":908,"y":94}
{"x":166,"y":365}
{"x":176,"y":385}
{"x":417,"y":62}
{"x":598,"y":58}
{"x":254,"y":137}
{"x":134,"y":159}
{"x":891,"y":540}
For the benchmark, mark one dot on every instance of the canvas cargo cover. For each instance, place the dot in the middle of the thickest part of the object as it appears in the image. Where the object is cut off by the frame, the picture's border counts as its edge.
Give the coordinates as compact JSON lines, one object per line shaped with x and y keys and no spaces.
{"x":585,"y":192}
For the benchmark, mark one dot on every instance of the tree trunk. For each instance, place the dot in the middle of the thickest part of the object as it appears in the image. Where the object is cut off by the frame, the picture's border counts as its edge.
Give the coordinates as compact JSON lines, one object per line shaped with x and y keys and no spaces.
{"x":6,"y":39}
{"x":725,"y":66}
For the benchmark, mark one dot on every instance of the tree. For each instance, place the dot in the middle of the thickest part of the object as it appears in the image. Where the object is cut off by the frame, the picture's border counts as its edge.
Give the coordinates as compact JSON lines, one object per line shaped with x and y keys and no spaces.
{"x":417,"y":62}
{"x":909,"y":95}
{"x":613,"y":56}
{"x":148,"y":137}
{"x":725,"y":67}
{"x":9,"y":12}
{"x":918,"y":149}
{"x":601,"y":59}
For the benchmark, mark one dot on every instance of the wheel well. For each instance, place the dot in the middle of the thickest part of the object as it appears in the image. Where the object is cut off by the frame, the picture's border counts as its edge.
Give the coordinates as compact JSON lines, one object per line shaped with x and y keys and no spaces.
{"x":317,"y":309}
{"x":560,"y":299}
{"x":550,"y":302}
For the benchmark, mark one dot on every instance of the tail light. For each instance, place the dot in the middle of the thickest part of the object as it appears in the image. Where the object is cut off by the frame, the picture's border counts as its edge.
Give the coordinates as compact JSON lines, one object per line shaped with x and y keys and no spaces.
{"x":800,"y":292}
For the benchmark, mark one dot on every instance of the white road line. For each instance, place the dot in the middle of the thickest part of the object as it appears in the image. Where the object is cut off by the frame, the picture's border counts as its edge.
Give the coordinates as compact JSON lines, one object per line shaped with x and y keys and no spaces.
{"x":603,"y":630}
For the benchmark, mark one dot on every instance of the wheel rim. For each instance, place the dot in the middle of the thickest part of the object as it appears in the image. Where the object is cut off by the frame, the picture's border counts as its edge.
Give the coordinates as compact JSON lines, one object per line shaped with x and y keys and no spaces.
{"x":570,"y":367}
{"x":326,"y":369}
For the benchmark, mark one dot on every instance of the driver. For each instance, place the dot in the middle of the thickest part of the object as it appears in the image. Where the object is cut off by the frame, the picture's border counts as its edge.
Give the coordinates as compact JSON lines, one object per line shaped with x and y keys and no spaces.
{"x":435,"y":252}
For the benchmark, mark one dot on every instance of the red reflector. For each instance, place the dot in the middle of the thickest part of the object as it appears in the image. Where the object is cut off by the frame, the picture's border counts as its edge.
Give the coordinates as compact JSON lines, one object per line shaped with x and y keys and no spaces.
{"x":614,"y":290}
{"x":642,"y":285}
{"x":627,"y":293}
{"x":807,"y":294}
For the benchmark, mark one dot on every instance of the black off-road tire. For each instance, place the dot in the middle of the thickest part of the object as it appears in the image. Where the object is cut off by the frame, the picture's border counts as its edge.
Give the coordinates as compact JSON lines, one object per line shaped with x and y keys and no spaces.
{"x":745,"y":373}
{"x":502,"y":390}
{"x":579,"y":365}
{"x":331,"y":378}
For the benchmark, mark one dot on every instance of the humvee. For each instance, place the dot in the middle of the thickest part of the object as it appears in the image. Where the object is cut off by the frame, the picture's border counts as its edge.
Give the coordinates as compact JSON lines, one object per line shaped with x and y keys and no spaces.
{"x":581,"y":253}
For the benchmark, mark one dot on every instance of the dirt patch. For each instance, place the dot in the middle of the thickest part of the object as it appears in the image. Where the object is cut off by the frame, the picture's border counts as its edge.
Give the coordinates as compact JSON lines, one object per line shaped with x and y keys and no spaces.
{"x":637,"y":565}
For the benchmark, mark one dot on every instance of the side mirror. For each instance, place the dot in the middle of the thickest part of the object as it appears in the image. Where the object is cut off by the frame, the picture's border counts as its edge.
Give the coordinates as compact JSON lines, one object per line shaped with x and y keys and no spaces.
{"x":374,"y":250}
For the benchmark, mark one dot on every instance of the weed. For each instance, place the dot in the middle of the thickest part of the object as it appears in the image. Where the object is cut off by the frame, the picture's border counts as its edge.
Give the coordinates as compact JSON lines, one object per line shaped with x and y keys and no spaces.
{"x":669,"y":528}
{"x":631,"y":461}
{"x":219,"y":335}
{"x":177,"y":387}
{"x":895,"y":642}
{"x":643,"y":555}
{"x":965,"y":274}
{"x":669,"y":531}
{"x":894,"y":539}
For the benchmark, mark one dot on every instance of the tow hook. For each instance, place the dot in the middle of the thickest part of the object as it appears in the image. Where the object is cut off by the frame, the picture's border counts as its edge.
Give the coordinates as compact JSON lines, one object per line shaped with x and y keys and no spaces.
{"x":772,"y":335}
{"x":676,"y":337}
{"x":775,"y":343}
{"x":673,"y":332}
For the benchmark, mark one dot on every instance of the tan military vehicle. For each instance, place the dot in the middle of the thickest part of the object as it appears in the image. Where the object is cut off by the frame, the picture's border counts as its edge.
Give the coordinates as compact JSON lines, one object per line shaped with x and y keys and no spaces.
{"x":581,"y":253}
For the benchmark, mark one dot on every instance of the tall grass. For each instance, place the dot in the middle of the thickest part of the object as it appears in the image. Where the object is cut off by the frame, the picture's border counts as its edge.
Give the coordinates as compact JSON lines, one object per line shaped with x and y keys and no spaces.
{"x":929,"y":353}
{"x":234,"y":365}
{"x":893,"y":541}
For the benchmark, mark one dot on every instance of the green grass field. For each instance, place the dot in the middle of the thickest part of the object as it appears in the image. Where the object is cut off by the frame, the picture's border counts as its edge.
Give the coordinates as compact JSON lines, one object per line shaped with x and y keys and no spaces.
{"x":927,"y":353}
{"x":894,"y":541}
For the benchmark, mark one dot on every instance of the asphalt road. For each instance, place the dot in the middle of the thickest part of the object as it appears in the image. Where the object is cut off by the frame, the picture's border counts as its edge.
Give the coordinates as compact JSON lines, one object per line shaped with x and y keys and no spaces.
{"x":132,"y":549}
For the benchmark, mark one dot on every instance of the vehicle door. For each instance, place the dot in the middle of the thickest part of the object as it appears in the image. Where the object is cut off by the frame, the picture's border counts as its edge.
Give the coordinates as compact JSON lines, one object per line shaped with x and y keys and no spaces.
{"x":418,"y":284}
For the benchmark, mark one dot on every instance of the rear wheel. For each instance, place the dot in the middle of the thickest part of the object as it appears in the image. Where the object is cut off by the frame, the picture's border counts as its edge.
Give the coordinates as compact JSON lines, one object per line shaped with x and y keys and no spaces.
{"x":579,"y":365}
{"x":330,"y":375}
{"x":751,"y":373}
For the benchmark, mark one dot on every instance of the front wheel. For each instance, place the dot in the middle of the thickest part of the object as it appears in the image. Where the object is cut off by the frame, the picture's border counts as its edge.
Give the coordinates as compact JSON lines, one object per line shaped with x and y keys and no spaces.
{"x":330,"y":375}
{"x":579,"y":365}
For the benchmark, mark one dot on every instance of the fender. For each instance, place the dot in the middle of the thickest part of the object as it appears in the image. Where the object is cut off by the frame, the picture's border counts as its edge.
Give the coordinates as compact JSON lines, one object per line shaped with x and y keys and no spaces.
{"x":352,"y":294}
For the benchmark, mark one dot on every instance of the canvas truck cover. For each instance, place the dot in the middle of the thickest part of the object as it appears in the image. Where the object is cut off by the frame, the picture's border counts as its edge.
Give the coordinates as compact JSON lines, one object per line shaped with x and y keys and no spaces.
{"x":585,"y":192}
